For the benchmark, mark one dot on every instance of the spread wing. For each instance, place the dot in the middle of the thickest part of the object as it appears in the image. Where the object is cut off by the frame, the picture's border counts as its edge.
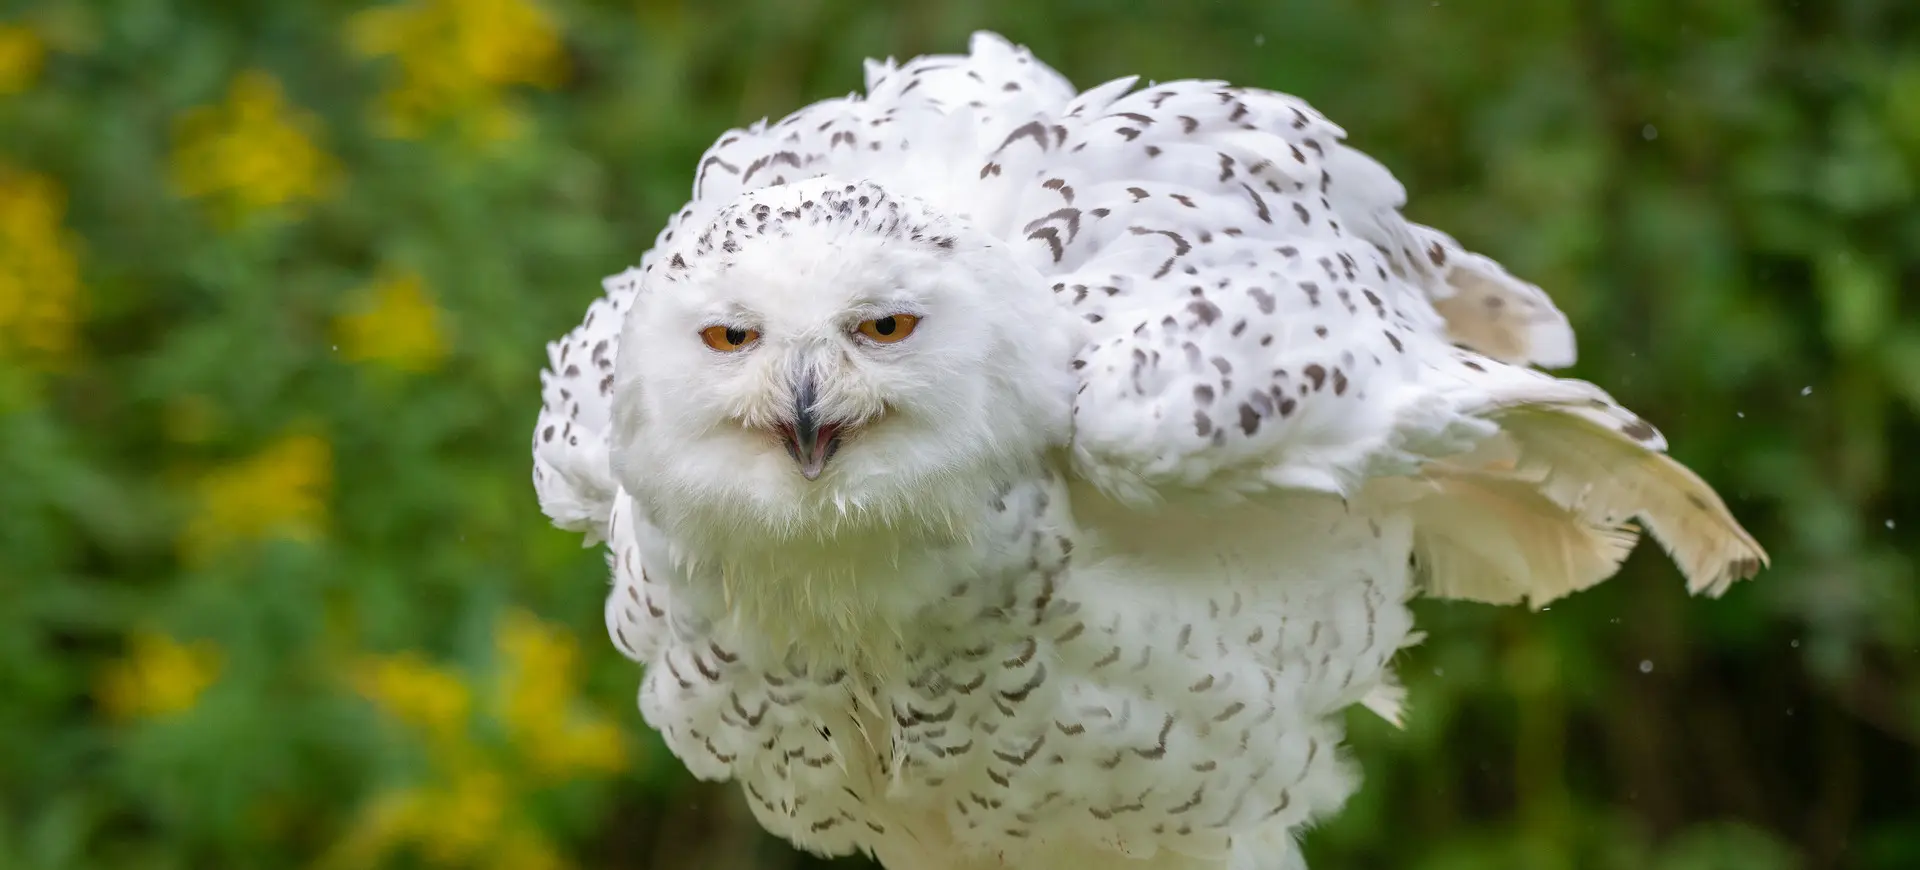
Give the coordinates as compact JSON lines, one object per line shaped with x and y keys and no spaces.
{"x":1263,"y":319}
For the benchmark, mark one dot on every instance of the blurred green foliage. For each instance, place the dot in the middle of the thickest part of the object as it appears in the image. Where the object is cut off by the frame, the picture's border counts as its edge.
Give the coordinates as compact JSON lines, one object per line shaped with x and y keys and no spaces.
{"x":275,"y":281}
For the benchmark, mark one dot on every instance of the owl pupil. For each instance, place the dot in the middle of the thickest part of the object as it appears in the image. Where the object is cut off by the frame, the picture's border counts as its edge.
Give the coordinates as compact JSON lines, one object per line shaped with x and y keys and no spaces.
{"x":736,"y":336}
{"x":884,"y":326}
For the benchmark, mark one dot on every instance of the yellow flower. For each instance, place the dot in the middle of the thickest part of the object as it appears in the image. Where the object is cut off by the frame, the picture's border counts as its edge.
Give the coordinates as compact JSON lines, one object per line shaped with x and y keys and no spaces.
{"x":463,"y":817}
{"x":469,"y":813}
{"x":537,"y":692}
{"x":280,"y":492}
{"x":252,"y":152}
{"x":410,"y":689}
{"x":159,"y":677}
{"x":456,"y":58}
{"x":39,"y":271}
{"x":21,"y":53}
{"x":464,"y":822}
{"x":397,"y":325}
{"x":595,"y":745}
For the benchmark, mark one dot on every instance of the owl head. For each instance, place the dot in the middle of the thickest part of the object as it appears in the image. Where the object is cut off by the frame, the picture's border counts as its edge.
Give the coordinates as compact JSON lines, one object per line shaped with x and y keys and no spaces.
{"x":827,"y":354}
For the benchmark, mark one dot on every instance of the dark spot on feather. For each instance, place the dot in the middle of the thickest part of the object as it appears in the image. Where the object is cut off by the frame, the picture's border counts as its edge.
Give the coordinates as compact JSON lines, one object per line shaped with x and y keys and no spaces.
{"x":1206,"y":311}
{"x":1032,"y":130}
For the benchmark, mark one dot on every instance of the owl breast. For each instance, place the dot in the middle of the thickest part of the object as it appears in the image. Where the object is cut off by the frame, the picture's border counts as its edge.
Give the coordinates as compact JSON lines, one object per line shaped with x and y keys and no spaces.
{"x":1128,"y":683}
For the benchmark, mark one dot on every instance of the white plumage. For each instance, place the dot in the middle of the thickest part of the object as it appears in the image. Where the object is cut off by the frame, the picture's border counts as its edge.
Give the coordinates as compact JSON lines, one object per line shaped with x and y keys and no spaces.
{"x":996,"y":475}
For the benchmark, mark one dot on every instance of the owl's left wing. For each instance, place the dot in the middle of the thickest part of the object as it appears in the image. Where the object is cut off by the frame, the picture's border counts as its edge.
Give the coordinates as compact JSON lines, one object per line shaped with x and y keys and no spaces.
{"x":1262,"y":318}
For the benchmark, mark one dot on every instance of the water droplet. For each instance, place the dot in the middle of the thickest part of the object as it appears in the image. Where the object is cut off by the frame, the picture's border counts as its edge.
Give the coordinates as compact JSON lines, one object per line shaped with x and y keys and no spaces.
{"x":1439,"y":672}
{"x":1259,"y":39}
{"x":1646,"y":666}
{"x":1741,"y":414}
{"x":1889,"y":523}
{"x":1795,"y":643}
{"x":1806,"y":390}
{"x":1649,"y":132}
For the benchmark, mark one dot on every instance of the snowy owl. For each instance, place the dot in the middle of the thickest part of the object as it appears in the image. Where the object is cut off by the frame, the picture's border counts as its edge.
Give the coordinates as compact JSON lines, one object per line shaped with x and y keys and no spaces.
{"x":996,"y":475}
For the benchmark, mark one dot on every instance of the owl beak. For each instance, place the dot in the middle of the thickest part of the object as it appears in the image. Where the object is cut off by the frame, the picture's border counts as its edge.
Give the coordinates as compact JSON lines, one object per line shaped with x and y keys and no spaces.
{"x":810,"y":442}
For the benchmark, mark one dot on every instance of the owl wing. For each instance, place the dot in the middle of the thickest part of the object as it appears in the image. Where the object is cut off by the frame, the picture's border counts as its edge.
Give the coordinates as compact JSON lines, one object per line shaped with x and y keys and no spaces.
{"x":1263,"y":319}
{"x":916,"y":126}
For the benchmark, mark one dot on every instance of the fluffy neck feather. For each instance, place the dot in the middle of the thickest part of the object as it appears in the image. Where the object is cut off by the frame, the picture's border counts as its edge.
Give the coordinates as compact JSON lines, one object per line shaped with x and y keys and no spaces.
{"x":849,"y":590}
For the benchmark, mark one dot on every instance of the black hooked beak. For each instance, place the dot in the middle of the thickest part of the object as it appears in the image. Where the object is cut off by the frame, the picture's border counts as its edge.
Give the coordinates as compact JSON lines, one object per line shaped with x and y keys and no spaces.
{"x":808,"y":441}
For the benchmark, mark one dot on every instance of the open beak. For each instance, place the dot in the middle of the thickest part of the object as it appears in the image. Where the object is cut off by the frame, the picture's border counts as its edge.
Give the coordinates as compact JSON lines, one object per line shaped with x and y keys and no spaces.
{"x":810,"y":442}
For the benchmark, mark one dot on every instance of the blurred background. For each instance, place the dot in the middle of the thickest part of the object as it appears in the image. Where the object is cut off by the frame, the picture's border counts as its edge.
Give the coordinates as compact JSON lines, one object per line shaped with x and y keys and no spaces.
{"x":275,"y":281}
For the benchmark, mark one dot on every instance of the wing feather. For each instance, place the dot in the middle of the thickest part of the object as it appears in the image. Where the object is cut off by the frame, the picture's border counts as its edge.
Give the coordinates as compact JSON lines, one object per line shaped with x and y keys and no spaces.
{"x":1262,"y":318}
{"x":1556,"y":499}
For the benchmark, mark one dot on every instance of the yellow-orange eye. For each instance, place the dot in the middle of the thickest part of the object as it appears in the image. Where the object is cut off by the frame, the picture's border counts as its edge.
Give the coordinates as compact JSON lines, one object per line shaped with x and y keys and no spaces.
{"x":728,"y":339}
{"x":889,"y":329}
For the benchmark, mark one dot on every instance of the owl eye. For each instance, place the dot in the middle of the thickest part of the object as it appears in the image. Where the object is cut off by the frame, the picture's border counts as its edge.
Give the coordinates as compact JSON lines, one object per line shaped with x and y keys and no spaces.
{"x":728,"y":339}
{"x":889,"y":329}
